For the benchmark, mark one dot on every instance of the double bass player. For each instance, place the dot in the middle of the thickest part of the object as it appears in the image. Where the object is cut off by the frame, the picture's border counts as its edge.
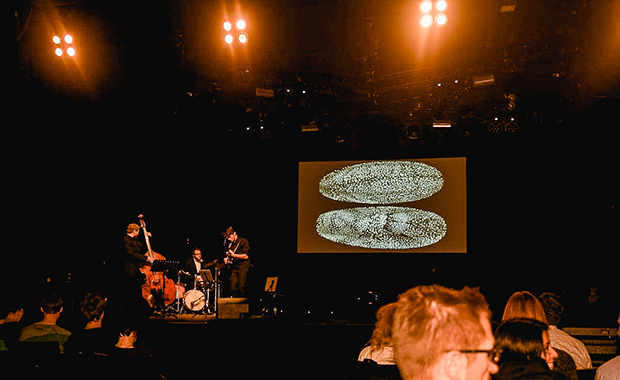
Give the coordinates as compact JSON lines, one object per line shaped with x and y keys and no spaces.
{"x":135,"y":258}
{"x":155,"y":287}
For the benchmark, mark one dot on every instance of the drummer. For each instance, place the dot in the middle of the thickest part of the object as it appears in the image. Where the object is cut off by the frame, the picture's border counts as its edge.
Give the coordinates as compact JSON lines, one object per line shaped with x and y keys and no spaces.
{"x":193,"y":266}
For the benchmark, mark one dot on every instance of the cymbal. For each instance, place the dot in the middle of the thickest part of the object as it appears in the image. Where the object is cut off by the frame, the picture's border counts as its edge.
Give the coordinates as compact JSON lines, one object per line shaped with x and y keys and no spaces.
{"x":210,"y":263}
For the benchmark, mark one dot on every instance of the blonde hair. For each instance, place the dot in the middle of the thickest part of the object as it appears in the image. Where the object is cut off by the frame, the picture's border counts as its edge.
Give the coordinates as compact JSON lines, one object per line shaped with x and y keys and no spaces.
{"x":523,"y":304}
{"x":132,"y":227}
{"x":382,"y":334}
{"x":432,"y":319}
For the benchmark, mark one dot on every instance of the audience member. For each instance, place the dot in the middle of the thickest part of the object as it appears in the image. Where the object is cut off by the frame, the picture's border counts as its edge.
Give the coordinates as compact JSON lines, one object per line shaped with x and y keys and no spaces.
{"x":127,"y":361}
{"x":560,"y":339}
{"x":376,"y":359}
{"x":10,"y":326}
{"x":523,"y":351}
{"x":93,"y":338}
{"x":47,"y":330}
{"x":443,"y":334}
{"x":379,"y":348}
{"x":610,"y":370}
{"x":523,"y":304}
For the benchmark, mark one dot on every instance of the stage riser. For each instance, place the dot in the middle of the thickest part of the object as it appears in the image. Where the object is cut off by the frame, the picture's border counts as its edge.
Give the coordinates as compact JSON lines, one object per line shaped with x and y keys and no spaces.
{"x":232,"y":308}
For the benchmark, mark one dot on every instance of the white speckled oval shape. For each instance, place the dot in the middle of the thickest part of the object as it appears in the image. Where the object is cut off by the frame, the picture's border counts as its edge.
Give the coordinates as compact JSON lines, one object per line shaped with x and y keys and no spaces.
{"x":382,"y":182}
{"x":382,"y":227}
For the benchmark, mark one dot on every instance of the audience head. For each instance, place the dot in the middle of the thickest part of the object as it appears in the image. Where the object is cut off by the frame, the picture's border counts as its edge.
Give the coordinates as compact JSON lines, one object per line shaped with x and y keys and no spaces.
{"x":382,"y":333}
{"x":93,"y":307}
{"x":552,"y":306}
{"x":51,"y":303}
{"x":443,"y":333}
{"x":12,"y":310}
{"x":126,"y":328}
{"x":523,"y":304}
{"x":523,"y":339}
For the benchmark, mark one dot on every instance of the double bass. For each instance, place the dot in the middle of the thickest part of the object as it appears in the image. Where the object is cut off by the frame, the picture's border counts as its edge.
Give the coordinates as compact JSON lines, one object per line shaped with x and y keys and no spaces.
{"x":156,"y":285}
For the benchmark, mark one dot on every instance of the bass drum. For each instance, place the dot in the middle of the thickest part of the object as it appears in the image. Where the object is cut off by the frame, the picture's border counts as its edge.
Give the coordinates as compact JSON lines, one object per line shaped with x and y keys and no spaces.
{"x":194,"y":300}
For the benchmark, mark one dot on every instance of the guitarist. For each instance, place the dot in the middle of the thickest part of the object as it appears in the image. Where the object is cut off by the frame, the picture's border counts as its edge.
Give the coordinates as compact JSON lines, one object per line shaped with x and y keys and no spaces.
{"x":238,"y":259}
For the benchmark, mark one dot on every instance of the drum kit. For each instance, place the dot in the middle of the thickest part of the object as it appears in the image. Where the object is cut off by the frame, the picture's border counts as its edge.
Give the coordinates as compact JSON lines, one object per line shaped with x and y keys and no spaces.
{"x":202,"y":297}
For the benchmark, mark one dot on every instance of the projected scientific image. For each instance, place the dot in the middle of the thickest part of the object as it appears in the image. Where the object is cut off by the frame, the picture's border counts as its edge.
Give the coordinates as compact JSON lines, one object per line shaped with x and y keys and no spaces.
{"x":382,"y":206}
{"x":386,"y":182}
{"x":382,"y":227}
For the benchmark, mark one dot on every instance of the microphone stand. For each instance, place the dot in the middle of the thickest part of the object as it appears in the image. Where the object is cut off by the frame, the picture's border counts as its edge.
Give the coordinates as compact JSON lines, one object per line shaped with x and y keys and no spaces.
{"x":177,"y":292}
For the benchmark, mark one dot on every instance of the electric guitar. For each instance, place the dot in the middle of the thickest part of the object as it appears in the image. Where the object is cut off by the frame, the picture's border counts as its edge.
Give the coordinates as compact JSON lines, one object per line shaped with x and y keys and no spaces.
{"x":229,"y":260}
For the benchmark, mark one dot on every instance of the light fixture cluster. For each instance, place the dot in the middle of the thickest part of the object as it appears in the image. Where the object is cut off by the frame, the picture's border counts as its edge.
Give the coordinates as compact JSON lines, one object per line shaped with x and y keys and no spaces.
{"x":382,"y":227}
{"x":64,"y":46}
{"x":433,"y":13}
{"x":499,"y":124}
{"x":235,"y":32}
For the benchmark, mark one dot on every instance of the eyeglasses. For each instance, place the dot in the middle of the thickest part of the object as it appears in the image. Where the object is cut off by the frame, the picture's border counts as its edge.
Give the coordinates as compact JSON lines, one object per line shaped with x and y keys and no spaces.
{"x":493,"y":355}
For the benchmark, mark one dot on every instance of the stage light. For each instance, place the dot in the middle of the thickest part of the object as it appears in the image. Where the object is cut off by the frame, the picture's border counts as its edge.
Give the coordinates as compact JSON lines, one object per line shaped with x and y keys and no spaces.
{"x":484,"y":80}
{"x":442,"y":123}
{"x":441,"y":19}
{"x":433,"y":13}
{"x":426,"y":21}
{"x":441,"y":5}
{"x":426,"y":6}
{"x":64,"y":45}
{"x":511,"y":125}
{"x":236,"y":32}
{"x":414,"y":132}
{"x":512,"y":101}
{"x":495,"y":125}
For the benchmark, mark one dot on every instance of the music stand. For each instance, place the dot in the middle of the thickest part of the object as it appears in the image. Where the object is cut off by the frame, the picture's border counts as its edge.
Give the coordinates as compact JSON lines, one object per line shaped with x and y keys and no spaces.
{"x":271,"y":284}
{"x":270,"y":305}
{"x":206,"y":276}
{"x":164,"y":266}
{"x":207,"y":280}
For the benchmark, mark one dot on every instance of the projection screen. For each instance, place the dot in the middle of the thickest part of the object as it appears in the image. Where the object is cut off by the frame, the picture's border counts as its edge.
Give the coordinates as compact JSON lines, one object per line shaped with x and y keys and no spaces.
{"x":417,"y":206}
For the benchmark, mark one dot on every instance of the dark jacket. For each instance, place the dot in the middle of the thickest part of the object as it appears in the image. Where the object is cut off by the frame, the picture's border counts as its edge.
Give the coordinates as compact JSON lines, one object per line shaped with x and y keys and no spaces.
{"x":135,"y":257}
{"x":535,"y":369}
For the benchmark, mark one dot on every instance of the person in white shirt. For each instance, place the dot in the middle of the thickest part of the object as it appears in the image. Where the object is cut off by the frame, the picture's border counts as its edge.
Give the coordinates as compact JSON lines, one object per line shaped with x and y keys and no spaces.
{"x":560,"y":339}
{"x":609,"y":370}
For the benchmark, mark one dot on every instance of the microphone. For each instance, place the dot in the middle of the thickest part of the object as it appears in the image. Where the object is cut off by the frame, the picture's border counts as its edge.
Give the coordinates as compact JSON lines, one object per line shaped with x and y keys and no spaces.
{"x":183,"y":272}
